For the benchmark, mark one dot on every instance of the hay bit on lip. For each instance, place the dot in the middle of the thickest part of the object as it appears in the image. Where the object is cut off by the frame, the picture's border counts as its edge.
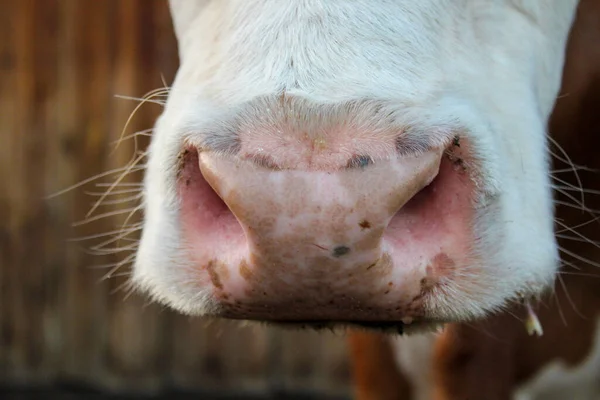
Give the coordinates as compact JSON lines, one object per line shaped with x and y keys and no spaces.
{"x":532,"y":322}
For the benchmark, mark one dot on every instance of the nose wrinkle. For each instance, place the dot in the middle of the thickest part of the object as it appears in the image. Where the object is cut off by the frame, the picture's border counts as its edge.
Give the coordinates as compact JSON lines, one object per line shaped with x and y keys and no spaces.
{"x":304,"y":216}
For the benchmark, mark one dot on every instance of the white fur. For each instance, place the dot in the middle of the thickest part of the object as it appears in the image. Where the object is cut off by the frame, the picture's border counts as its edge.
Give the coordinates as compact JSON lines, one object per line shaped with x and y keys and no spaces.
{"x":490,"y":69}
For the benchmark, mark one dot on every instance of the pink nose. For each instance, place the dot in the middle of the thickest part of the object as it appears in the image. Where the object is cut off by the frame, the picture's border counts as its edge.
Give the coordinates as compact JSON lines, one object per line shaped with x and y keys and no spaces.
{"x":308,"y":221}
{"x":360,"y":244}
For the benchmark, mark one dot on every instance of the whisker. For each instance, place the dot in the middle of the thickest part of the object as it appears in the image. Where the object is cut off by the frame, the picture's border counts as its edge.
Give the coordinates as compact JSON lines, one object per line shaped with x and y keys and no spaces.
{"x":569,"y":196}
{"x":120,"y":201}
{"x":115,"y":192}
{"x":121,"y":235}
{"x":114,"y":250}
{"x":137,"y":226}
{"x":126,"y":239}
{"x":568,"y":161}
{"x":127,"y":171}
{"x":101,"y":216}
{"x":130,"y":289}
{"x":582,"y":274}
{"x":145,"y":132}
{"x":569,"y":264}
{"x":580,"y":225}
{"x":578,"y":239}
{"x":88,"y":180}
{"x":571,"y":188}
{"x":128,"y":259}
{"x":123,"y":184}
{"x":118,"y":265}
{"x":569,"y":299}
{"x":122,"y":286}
{"x":136,"y":209}
{"x":592,"y":211}
{"x":144,"y":100}
{"x":577,"y":167}
{"x":560,"y":310}
{"x":567,"y":184}
{"x":164,"y":82}
{"x":578,"y":257}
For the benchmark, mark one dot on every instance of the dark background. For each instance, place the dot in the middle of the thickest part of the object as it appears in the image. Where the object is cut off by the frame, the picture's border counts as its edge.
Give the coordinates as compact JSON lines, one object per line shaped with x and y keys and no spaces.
{"x":62,"y":64}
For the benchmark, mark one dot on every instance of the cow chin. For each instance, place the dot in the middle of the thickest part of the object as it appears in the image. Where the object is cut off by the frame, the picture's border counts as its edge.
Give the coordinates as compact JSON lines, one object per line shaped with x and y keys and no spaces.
{"x":395,"y":200}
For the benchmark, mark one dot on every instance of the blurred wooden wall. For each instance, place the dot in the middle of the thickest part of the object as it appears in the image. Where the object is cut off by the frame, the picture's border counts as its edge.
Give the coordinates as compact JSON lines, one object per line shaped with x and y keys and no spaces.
{"x":62,"y":63}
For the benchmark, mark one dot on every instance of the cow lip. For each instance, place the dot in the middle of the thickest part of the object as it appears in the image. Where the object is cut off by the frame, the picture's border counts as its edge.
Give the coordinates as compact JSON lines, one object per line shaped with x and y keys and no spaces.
{"x":386,"y":327}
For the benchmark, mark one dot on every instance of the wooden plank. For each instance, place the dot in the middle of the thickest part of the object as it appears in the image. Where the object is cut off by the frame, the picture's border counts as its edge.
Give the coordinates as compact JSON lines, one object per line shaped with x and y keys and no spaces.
{"x":82,"y":151}
{"x":135,"y":355}
{"x":62,"y":63}
{"x":20,"y":333}
{"x":43,"y":276}
{"x":8,"y":125}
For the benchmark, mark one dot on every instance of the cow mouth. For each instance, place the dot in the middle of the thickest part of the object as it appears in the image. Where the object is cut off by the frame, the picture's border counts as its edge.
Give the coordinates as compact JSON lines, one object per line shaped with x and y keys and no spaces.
{"x":339,"y":264}
{"x":393,"y":328}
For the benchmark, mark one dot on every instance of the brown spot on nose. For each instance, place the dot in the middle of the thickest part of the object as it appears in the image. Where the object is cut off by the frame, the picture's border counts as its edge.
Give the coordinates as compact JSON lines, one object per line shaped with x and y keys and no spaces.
{"x":364,"y":224}
{"x":214,"y":276}
{"x":441,"y":266}
{"x":456,"y":141}
{"x":340,"y":251}
{"x":245,"y":270}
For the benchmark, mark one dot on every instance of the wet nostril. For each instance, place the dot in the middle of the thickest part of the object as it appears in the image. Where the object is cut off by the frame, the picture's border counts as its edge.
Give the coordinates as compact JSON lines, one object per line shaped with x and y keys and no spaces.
{"x":196,"y":189}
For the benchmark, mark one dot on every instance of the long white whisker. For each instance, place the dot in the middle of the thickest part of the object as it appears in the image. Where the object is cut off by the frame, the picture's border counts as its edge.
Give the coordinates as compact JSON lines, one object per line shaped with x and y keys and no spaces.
{"x":120,"y":201}
{"x":118,"y":265}
{"x":137,"y":226}
{"x":118,"y":237}
{"x":140,"y":99}
{"x":577,"y":167}
{"x":136,"y":209}
{"x":578,"y":257}
{"x":123,"y":184}
{"x":115,"y":192}
{"x":569,"y":299}
{"x":570,"y":162}
{"x":101,"y":216}
{"x":582,"y":239}
{"x":581,"y":224}
{"x":119,"y":179}
{"x":145,"y":132}
{"x":114,"y":250}
{"x":88,"y":180}
{"x":577,"y":206}
{"x":574,"y":189}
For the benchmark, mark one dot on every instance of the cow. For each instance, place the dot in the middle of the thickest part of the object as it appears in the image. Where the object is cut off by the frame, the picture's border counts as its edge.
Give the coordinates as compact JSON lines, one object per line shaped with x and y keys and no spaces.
{"x":494,"y":358}
{"x":370,"y":163}
{"x":376,"y":164}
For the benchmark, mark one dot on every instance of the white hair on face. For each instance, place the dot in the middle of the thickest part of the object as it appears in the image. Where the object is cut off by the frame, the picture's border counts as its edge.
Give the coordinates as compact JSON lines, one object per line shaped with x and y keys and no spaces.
{"x":488,"y":69}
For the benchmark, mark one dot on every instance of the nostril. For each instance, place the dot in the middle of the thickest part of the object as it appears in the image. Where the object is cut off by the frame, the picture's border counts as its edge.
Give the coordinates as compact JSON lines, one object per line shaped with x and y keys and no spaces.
{"x":425,"y":217}
{"x":201,"y":204}
{"x":423,"y":195}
